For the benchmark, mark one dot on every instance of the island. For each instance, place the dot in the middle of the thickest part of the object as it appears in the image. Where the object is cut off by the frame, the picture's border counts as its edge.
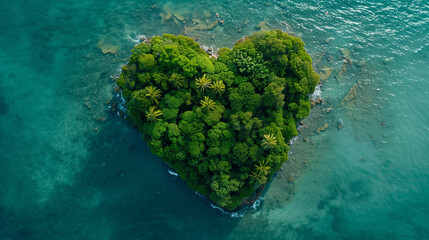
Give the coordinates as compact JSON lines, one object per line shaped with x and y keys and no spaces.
{"x":224,"y":122}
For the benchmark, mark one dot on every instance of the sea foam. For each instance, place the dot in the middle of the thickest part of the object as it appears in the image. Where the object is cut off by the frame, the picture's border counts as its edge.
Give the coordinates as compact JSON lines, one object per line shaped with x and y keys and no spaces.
{"x":317,"y":94}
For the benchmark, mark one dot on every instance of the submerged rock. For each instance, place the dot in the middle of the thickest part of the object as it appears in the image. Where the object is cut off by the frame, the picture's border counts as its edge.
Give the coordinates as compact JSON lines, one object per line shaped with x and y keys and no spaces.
{"x":344,"y":69}
{"x":345,"y":52}
{"x":317,"y":101}
{"x":317,"y":61}
{"x":351,"y":94}
{"x":107,"y":47}
{"x":88,"y":105}
{"x":323,"y":128}
{"x":117,"y":89}
{"x":341,"y":73}
{"x":325,"y":73}
{"x":165,"y":17}
{"x":176,"y":15}
{"x":101,"y":119}
{"x":263,"y":26}
{"x":201,"y":25}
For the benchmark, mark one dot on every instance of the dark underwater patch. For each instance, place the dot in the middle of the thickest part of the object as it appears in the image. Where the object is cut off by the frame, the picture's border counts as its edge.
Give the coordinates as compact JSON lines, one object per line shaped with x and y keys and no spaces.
{"x":4,"y":107}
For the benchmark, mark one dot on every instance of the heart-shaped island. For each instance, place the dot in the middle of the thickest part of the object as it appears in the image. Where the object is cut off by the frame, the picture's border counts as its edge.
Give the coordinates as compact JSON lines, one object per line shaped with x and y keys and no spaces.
{"x":222,"y":123}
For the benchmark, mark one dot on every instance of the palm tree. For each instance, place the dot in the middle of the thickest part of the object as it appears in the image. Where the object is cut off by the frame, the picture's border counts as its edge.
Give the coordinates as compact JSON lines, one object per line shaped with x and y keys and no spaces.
{"x":269,"y":141}
{"x":203,"y":83}
{"x":218,"y":87}
{"x":153,"y":114}
{"x":153,"y":94}
{"x":255,"y":176}
{"x":177,"y":80}
{"x":258,"y":176}
{"x":263,"y":168}
{"x":208,"y":104}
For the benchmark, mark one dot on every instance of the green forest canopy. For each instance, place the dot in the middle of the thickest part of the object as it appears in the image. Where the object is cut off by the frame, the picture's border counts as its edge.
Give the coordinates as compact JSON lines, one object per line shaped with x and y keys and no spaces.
{"x":222,"y":123}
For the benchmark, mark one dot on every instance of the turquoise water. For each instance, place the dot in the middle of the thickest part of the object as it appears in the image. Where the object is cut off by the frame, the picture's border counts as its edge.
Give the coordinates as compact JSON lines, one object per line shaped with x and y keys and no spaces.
{"x":70,"y":168}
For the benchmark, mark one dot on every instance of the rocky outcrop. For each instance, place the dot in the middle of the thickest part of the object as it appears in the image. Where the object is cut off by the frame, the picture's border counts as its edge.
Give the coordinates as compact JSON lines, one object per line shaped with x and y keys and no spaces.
{"x":344,"y":69}
{"x":107,"y":47}
{"x":323,"y":128}
{"x":325,"y":73}
{"x":263,"y":26}
{"x":350,"y":95}
{"x":255,"y":196}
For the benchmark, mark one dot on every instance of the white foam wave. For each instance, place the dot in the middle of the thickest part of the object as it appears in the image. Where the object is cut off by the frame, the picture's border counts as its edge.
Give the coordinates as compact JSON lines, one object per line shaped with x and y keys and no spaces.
{"x":173,"y":173}
{"x":201,"y":195}
{"x":317,"y":93}
{"x":121,"y":104}
{"x":257,"y":203}
{"x":236,"y":214}
{"x":231,"y":214}
{"x":116,"y":76}
{"x":293,"y":139}
{"x":418,"y":49}
{"x":255,"y":206}
{"x":136,"y":39}
{"x":210,"y":50}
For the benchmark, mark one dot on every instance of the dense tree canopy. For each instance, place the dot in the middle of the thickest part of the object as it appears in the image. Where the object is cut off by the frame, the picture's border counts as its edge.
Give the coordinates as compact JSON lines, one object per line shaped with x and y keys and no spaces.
{"x":222,"y":123}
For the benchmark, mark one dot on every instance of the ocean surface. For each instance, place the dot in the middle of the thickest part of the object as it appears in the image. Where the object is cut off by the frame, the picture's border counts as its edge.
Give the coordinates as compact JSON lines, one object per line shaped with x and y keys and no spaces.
{"x":72,"y":168}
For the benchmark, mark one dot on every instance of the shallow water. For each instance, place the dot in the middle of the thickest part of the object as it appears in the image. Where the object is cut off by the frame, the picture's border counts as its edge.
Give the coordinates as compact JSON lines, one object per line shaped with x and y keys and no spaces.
{"x":70,"y":168}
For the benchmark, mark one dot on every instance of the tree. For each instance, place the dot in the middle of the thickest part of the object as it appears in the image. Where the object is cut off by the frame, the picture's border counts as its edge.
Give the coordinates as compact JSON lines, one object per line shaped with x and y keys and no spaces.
{"x":263,"y":168}
{"x":223,"y":185}
{"x":153,"y":94}
{"x":218,"y":87}
{"x":208,"y":104}
{"x":153,"y":114}
{"x":244,"y":97}
{"x":146,"y":62}
{"x":258,"y":176}
{"x":269,"y":141}
{"x":177,"y":80}
{"x":260,"y":173}
{"x":203,"y":83}
{"x":273,"y":96}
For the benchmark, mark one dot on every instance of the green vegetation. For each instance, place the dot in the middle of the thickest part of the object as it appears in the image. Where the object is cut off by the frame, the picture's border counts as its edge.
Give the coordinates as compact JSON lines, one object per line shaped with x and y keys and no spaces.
{"x":223,"y":124}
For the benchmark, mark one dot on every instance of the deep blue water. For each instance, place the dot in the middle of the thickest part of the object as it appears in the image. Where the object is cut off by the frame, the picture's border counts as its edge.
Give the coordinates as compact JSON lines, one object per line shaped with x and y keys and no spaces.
{"x":70,"y":168}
